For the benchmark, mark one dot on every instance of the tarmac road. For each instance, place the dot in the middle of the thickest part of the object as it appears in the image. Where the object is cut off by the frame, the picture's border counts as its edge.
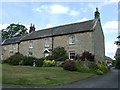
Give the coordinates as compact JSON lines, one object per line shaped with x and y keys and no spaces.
{"x":109,"y":80}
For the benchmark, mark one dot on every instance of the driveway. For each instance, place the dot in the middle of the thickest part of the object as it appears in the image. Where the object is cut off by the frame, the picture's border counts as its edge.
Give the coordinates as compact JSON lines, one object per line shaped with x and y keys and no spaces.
{"x":109,"y":80}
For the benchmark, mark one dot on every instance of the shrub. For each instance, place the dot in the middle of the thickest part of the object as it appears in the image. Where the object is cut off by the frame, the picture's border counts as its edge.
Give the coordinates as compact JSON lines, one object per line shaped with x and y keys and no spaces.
{"x":117,"y":62}
{"x":39,"y":62}
{"x":85,"y":55}
{"x":28,"y":60}
{"x":69,"y":65}
{"x":81,"y":68}
{"x":99,"y":68}
{"x":19,"y":59}
{"x":48,"y":63}
{"x":99,"y":72}
{"x":49,"y":58}
{"x":62,"y":58}
{"x":15,"y":59}
{"x":60,"y":54}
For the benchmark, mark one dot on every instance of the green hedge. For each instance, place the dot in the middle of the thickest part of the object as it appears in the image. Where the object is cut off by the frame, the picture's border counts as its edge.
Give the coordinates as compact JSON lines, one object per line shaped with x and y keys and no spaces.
{"x":19,"y":59}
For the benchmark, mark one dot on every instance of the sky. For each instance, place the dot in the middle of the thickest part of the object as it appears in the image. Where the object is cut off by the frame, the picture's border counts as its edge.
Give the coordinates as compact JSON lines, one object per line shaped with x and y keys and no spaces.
{"x":50,"y":14}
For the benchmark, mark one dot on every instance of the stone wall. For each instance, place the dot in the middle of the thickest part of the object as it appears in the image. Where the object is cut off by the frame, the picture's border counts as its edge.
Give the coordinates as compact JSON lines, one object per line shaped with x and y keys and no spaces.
{"x":99,"y":46}
{"x":83,"y":41}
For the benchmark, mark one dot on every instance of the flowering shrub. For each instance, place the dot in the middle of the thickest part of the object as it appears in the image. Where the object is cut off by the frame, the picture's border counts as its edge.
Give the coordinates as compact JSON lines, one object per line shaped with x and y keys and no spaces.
{"x":85,"y":56}
{"x":99,"y":72}
{"x":99,"y":68}
{"x":48,"y":63}
{"x":69,"y":65}
{"x":82,"y":68}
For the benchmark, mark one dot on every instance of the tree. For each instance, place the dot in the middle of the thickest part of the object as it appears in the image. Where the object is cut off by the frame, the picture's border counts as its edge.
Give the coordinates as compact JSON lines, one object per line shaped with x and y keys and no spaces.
{"x":60,"y":54}
{"x":14,"y":30}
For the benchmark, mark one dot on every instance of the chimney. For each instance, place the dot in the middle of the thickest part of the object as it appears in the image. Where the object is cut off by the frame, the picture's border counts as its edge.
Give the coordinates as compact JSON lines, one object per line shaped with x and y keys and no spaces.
{"x":32,"y":28}
{"x":97,"y":14}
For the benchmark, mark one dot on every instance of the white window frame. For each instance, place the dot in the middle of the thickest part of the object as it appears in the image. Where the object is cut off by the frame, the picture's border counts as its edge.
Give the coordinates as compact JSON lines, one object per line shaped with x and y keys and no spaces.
{"x":47,"y":43}
{"x":72,"y":39}
{"x":70,"y":55}
{"x":31,"y":44}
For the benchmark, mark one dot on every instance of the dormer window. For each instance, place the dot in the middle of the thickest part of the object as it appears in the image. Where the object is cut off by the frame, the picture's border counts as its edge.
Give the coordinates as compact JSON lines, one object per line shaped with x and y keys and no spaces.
{"x":31,"y":44}
{"x":46,"y":43}
{"x":71,"y":39}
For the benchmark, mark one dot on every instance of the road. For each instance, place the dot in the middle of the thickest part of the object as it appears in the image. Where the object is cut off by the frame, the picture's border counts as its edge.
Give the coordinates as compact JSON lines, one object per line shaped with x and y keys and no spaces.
{"x":109,"y":80}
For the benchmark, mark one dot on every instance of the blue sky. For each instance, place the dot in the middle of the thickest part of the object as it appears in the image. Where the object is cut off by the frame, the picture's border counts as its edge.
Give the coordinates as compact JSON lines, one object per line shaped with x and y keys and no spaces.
{"x":49,"y":14}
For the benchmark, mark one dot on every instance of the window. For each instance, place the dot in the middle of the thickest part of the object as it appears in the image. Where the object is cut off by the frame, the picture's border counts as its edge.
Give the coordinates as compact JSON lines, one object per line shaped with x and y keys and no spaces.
{"x":31,"y":44}
{"x":30,"y":54}
{"x":4,"y":48}
{"x":14,"y":46}
{"x":11,"y":53}
{"x":72,"y":39}
{"x":47,"y":43}
{"x":72,"y":55}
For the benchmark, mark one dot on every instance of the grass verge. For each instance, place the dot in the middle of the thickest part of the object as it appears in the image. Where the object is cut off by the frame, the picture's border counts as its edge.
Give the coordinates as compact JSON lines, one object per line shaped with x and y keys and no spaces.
{"x":38,"y":76}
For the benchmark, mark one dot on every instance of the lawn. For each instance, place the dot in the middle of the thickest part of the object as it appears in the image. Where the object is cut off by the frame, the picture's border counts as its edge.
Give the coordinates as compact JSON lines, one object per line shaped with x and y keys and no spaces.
{"x":38,"y":76}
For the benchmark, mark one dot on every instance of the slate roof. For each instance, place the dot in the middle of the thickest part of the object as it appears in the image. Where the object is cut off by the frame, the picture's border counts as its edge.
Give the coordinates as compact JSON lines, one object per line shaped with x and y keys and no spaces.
{"x":108,"y":58}
{"x":62,"y":30}
{"x":78,"y":27}
{"x":11,"y":41}
{"x":118,"y":51}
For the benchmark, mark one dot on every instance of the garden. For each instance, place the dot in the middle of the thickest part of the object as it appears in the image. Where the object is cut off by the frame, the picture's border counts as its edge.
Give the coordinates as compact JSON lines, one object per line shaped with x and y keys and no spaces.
{"x":24,"y":70}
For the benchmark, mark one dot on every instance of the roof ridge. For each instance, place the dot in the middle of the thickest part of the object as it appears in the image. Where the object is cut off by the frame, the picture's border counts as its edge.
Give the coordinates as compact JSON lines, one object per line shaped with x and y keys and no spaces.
{"x":65,"y":25}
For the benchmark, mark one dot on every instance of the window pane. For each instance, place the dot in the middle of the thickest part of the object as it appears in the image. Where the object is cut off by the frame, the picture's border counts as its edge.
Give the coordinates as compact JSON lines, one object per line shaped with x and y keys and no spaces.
{"x":72,"y":54}
{"x":46,"y":43}
{"x":71,"y":39}
{"x":31,"y":44}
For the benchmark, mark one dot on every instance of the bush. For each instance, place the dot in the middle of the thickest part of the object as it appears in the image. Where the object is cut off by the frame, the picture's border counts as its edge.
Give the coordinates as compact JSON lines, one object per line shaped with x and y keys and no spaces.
{"x":39,"y":62}
{"x":117,"y":63}
{"x":62,"y":58}
{"x":15,"y":59}
{"x":48,"y":63}
{"x":69,"y":65}
{"x":27,"y":61}
{"x":99,"y":68}
{"x":85,"y":56}
{"x":19,"y":59}
{"x":60,"y":54}
{"x":49,"y":58}
{"x":99,"y":72}
{"x":81,"y":68}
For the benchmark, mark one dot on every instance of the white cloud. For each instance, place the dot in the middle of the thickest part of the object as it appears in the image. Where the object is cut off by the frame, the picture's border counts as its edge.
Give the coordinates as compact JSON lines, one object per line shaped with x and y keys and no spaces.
{"x":83,"y":9}
{"x":102,"y":3}
{"x":48,"y":26}
{"x":59,"y":9}
{"x":74,"y":13}
{"x":110,"y":27}
{"x":56,"y":9}
{"x":110,"y":49}
{"x":83,"y":19}
{"x":3,"y":26}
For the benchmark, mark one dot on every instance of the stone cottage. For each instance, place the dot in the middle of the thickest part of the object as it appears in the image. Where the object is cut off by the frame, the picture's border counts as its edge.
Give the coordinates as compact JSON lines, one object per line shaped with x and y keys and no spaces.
{"x":75,"y":38}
